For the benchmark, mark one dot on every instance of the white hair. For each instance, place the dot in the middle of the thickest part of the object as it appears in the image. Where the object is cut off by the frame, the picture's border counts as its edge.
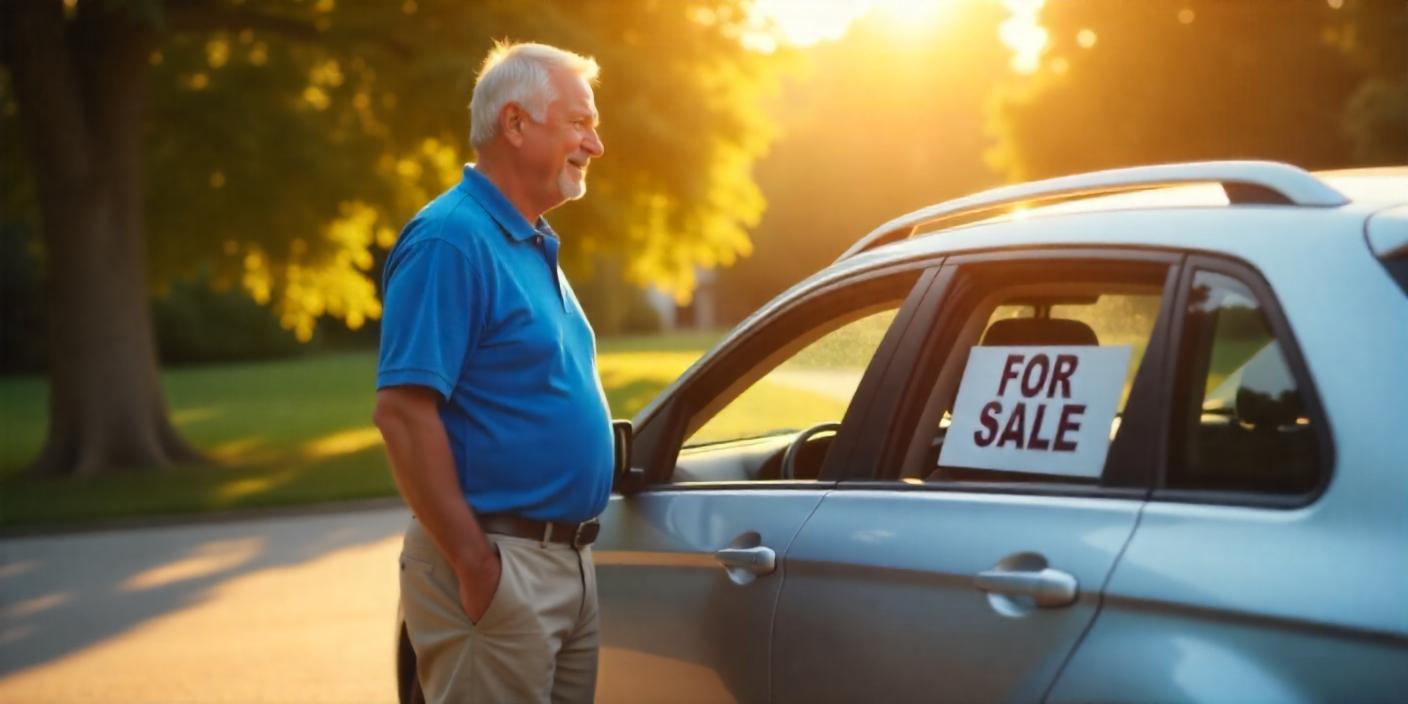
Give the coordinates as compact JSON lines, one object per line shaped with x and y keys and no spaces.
{"x":519,"y":73}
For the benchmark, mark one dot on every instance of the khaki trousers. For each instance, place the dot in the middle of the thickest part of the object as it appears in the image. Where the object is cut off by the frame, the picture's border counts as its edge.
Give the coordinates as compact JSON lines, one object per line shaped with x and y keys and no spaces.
{"x":537,"y":642}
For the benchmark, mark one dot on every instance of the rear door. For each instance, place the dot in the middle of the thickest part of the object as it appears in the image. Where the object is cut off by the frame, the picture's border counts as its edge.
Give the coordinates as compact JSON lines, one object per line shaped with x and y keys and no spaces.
{"x":690,"y":564}
{"x":1269,"y":564}
{"x":1007,"y":461}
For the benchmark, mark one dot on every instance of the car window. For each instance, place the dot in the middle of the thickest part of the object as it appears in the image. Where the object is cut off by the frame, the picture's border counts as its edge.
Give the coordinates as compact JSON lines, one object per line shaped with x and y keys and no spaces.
{"x":813,"y":386}
{"x":1244,"y":425}
{"x":1040,"y":371}
{"x":788,"y":383}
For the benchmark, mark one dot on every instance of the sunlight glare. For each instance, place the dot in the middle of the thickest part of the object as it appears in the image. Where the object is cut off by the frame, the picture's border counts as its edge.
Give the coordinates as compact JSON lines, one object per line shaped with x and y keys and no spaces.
{"x":345,"y":442}
{"x":209,"y":559}
{"x":806,"y":22}
{"x":1023,"y":34}
{"x":240,"y":488}
{"x":29,"y":607}
{"x":237,"y":449}
{"x":187,"y":416}
{"x":911,"y":13}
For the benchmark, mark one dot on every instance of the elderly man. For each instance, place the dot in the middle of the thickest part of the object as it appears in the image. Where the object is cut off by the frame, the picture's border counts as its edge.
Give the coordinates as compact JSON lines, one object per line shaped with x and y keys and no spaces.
{"x":489,"y":402}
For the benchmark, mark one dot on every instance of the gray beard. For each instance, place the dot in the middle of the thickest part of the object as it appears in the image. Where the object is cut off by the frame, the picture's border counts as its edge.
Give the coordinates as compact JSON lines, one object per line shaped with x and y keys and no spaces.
{"x":571,"y":190}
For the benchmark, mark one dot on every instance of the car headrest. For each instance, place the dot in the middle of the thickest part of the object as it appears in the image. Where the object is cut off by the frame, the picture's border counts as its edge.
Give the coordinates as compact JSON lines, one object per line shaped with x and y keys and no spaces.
{"x":1038,"y":331}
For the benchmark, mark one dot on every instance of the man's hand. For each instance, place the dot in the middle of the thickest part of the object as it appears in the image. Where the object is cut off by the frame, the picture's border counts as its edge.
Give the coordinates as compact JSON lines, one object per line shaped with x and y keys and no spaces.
{"x":478,"y":584}
{"x":424,"y":468}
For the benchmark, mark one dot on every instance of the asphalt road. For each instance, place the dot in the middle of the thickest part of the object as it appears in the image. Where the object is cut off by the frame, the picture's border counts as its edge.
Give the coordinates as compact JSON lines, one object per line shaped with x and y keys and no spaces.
{"x":288,"y":609}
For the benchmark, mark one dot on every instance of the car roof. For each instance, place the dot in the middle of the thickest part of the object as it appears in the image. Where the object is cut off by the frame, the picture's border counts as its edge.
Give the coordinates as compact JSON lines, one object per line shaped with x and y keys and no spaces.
{"x":1376,"y":187}
{"x":1356,"y":194}
{"x":1382,"y":186}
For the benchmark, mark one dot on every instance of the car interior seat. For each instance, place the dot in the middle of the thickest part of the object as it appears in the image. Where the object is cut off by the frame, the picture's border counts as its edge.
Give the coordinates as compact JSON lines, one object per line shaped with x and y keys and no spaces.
{"x":1038,"y":331}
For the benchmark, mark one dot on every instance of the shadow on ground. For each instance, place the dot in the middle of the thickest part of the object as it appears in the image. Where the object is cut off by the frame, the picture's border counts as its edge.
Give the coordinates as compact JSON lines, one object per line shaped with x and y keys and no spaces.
{"x":60,"y":595}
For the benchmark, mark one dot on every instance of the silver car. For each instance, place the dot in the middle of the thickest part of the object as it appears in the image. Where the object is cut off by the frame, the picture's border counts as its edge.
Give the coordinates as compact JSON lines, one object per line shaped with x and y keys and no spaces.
{"x":1132,"y":435}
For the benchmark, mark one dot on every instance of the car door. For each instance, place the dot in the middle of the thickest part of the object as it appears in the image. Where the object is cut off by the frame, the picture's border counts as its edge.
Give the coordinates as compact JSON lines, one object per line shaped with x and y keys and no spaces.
{"x":1269,"y":563}
{"x":732,"y":460}
{"x":953,"y":569}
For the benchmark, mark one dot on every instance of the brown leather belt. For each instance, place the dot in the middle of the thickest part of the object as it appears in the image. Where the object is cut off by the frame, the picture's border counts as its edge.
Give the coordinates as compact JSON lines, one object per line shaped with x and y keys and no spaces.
{"x":578,"y":535}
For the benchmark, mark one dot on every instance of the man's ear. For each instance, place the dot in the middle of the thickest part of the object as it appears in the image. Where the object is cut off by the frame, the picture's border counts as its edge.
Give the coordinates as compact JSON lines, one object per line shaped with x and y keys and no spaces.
{"x":512,"y":119}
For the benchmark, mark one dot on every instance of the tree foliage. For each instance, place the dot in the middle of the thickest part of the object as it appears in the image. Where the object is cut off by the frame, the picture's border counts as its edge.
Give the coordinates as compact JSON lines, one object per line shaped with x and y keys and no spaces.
{"x":1124,"y":83}
{"x":1375,"y":37}
{"x":287,"y":142}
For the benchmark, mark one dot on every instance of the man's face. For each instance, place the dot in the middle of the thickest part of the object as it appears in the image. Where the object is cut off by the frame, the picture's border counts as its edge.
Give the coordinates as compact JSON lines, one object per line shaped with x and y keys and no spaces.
{"x":556,"y":151}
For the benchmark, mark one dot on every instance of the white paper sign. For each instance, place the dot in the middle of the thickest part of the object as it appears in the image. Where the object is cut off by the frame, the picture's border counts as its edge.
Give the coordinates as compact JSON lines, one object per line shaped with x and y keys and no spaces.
{"x":1045,"y":410}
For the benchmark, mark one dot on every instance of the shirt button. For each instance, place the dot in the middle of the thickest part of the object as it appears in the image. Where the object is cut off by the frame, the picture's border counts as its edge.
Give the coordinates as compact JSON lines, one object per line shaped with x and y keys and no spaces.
{"x":538,"y":239}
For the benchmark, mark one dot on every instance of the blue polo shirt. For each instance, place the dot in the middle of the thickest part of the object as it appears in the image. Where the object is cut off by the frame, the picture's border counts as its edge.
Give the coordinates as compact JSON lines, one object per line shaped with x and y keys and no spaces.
{"x":476,"y":308}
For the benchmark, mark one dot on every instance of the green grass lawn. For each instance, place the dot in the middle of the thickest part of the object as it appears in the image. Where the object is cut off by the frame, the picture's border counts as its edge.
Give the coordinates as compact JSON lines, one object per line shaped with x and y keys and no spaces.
{"x":282,"y":433}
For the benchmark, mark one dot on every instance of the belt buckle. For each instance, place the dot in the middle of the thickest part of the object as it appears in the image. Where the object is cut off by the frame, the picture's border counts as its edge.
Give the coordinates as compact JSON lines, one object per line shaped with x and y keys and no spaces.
{"x":585,"y":534}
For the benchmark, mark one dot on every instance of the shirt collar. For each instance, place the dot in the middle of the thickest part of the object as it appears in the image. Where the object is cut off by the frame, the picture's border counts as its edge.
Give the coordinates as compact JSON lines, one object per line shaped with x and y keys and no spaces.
{"x":498,"y":206}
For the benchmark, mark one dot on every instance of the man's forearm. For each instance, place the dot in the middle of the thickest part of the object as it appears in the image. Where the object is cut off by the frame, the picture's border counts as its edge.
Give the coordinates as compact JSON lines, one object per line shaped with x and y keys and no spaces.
{"x":424,"y":470}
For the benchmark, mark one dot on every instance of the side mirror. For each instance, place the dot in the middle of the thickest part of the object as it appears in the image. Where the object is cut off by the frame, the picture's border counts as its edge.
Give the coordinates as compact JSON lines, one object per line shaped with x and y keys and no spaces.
{"x":624,"y":478}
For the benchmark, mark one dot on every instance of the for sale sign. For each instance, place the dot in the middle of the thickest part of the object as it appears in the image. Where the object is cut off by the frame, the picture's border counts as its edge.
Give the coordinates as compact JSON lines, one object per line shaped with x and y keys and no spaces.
{"x":1046,"y":410}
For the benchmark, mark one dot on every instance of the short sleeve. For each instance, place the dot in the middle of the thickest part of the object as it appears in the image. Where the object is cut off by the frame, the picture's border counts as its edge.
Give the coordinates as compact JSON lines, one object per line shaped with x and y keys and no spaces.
{"x":432,"y":315}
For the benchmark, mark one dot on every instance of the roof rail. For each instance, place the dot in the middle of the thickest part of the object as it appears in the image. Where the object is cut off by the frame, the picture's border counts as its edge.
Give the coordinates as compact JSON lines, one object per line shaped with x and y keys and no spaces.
{"x":1243,"y":181}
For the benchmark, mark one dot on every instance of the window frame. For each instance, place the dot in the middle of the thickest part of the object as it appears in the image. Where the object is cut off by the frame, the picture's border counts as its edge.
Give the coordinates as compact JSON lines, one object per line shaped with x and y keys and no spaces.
{"x":1265,"y":297}
{"x":661,"y":436}
{"x":1133,"y":463}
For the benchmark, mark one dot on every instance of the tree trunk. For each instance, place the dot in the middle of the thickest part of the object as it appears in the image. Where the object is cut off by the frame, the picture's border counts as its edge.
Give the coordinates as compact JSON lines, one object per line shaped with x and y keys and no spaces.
{"x":81,"y":85}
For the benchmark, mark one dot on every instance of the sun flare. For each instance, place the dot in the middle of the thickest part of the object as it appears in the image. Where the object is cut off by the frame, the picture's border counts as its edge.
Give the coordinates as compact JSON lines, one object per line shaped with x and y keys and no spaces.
{"x":910,"y":13}
{"x":803,"y":23}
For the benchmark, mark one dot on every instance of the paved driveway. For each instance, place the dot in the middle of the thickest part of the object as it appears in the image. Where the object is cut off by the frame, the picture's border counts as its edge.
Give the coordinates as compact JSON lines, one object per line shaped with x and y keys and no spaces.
{"x":291,"y":609}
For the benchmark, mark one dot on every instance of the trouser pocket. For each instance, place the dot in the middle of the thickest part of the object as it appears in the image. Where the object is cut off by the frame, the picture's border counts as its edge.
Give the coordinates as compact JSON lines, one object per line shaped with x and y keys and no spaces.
{"x":503,"y":591}
{"x":432,"y":579}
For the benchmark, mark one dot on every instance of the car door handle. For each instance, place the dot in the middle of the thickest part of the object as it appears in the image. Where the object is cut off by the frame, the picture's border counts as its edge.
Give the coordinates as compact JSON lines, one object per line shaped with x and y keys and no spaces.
{"x":1047,"y":588}
{"x":758,"y":560}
